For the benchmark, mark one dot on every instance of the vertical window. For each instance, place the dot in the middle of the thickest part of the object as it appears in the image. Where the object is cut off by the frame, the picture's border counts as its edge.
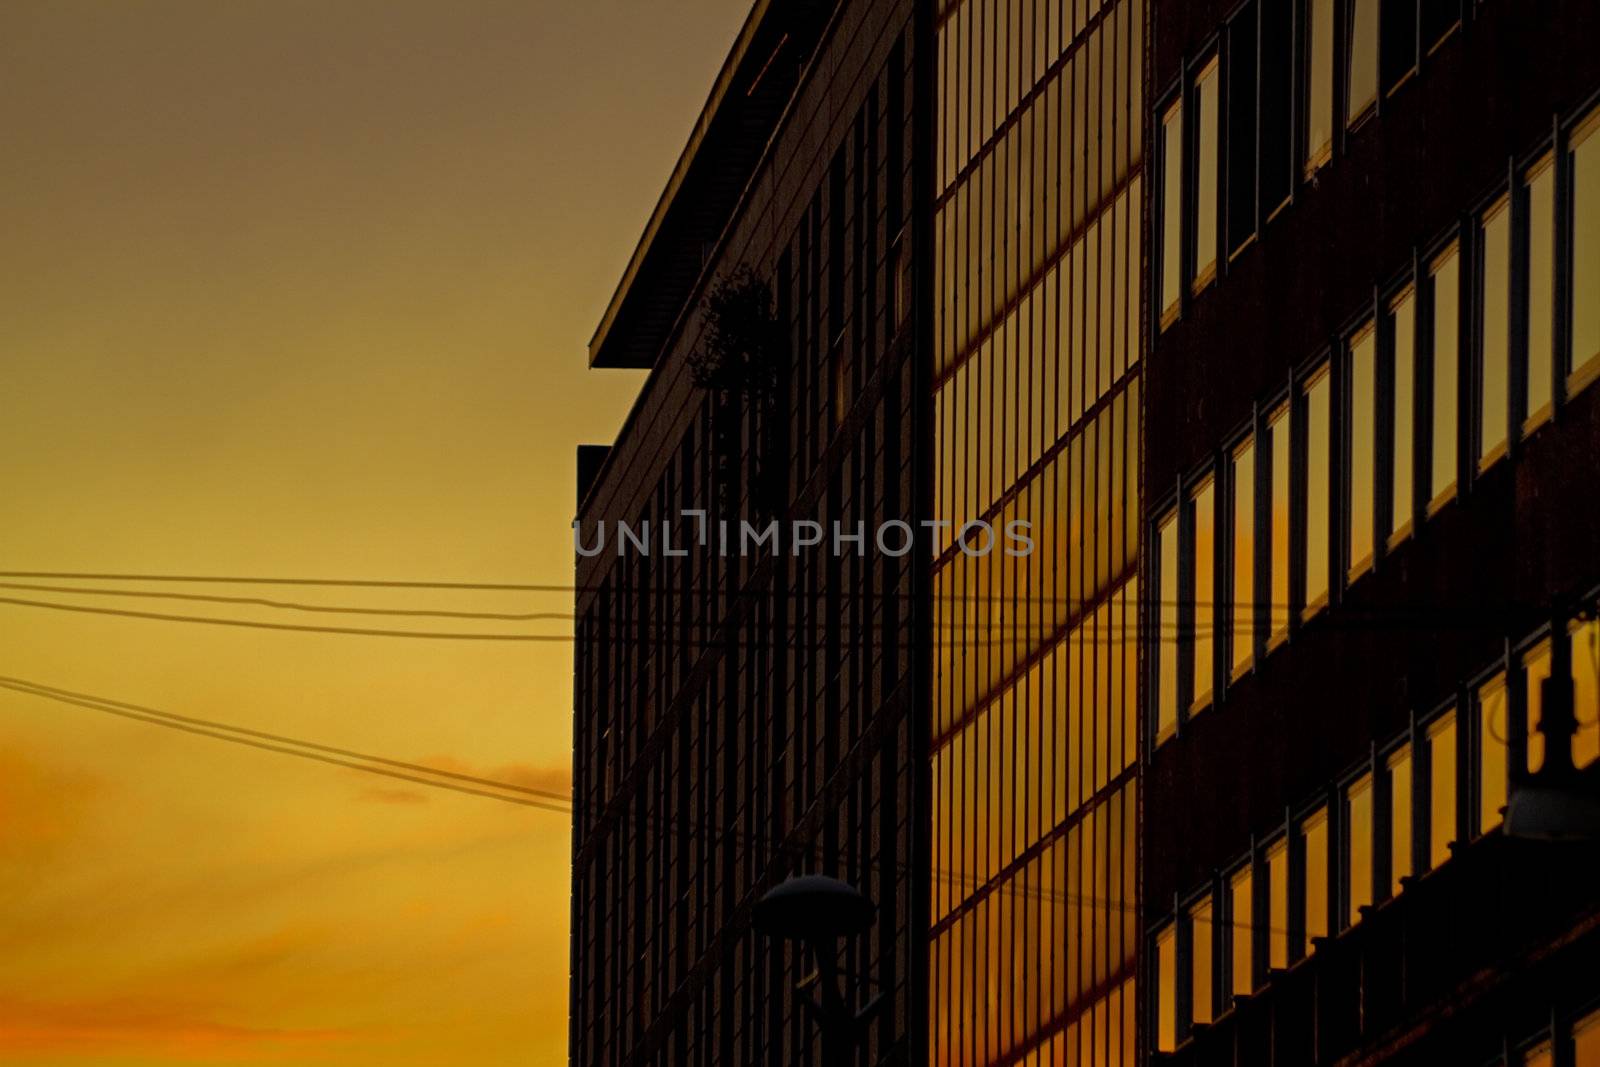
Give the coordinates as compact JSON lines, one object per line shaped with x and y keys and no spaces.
{"x":1541,"y":294}
{"x":1318,"y":429}
{"x":1171,"y":211}
{"x":1439,"y":19}
{"x":1277,"y":155}
{"x":1494,"y":333}
{"x":1585,"y":644}
{"x":1357,"y":867}
{"x":1363,"y":448}
{"x":1441,"y":788}
{"x":1277,"y":871}
{"x":1241,"y":146}
{"x":1363,"y":58}
{"x":1445,"y":290}
{"x":1397,"y":42}
{"x":1318,"y":92}
{"x":1491,"y":752}
{"x":1166,"y":989}
{"x":1398,"y":769}
{"x":1314,"y":859}
{"x":1243,"y":481}
{"x":1205,"y":195}
{"x":1540,"y":1055}
{"x":1242,"y":958}
{"x":1584,"y":293}
{"x":1535,"y":670}
{"x":1204,"y":518}
{"x":1201,"y":939}
{"x":1167,"y":640}
{"x":1403,"y":314}
{"x":1278,"y":560}
{"x":1586,"y":1041}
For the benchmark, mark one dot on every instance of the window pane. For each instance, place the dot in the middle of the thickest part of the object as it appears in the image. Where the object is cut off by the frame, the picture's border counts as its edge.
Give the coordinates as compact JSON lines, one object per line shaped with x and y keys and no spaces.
{"x":1244,"y":554}
{"x":1201,"y":935}
{"x":1277,"y":153}
{"x":1586,"y":692}
{"x":1441,"y":788}
{"x":1278,"y":564}
{"x":1205,"y":237}
{"x":1404,"y":312}
{"x":1319,"y":84}
{"x":1446,"y":291}
{"x":1167,"y":682}
{"x":1316,"y":513}
{"x":1205,"y":591}
{"x":1314,"y":840}
{"x":1439,"y":17}
{"x":1541,"y":1055}
{"x":1494,"y":367}
{"x":1585,"y":295}
{"x":1358,"y":848}
{"x":1535,"y":669}
{"x":1491,"y":752}
{"x":1541,"y":288}
{"x":1243,"y":960}
{"x":1363,"y":447}
{"x":1242,"y":143}
{"x":1278,"y":905}
{"x":1399,"y":767}
{"x":1166,"y":990}
{"x":1363,"y":57}
{"x":1171,"y":208}
{"x":1586,"y":1041}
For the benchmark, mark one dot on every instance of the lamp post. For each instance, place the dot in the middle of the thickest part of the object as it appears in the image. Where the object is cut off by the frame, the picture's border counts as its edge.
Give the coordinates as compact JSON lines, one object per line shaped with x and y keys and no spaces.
{"x":1555,"y":804}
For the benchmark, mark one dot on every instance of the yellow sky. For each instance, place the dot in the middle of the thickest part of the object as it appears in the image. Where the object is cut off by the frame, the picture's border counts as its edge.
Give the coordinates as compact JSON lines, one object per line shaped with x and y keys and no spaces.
{"x":302,"y":287}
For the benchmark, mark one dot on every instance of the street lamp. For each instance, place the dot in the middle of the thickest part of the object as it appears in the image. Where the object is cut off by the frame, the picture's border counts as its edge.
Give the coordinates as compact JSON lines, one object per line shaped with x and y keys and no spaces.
{"x":1556,"y":804}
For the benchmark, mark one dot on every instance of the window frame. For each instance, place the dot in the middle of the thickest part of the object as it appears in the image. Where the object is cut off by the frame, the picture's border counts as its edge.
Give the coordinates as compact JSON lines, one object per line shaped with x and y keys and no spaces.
{"x":1350,"y":567}
{"x":1391,"y":508}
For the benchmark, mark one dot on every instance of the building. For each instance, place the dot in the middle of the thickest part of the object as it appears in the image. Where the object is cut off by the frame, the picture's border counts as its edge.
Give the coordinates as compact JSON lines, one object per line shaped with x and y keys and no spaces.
{"x":1370,"y":431}
{"x":940,"y":205}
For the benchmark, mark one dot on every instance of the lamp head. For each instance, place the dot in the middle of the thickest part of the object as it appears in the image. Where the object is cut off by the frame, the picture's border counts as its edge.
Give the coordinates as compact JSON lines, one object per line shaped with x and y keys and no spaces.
{"x":813,"y":907}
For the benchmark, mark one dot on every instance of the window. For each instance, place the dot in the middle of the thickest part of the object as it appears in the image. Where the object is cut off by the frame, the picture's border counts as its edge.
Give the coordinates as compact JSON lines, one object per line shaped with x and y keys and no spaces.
{"x":1242,"y":959}
{"x":1441,"y":788}
{"x":1540,"y":1055}
{"x":1316,"y":504}
{"x":1319,"y":83}
{"x":1586,"y":1041}
{"x":1357,"y":848}
{"x":1363,"y":58}
{"x":1397,"y":42}
{"x":1166,"y":989}
{"x":1203,"y":629}
{"x":1243,"y":481}
{"x":1541,"y":292}
{"x":1402,"y":316}
{"x":1535,"y":669}
{"x":1584,"y":294}
{"x":1277,"y":873}
{"x":1439,"y":20}
{"x":1491,"y":775}
{"x":1398,"y":770}
{"x":1205,"y":196}
{"x":1585,"y":644}
{"x":1494,"y":333}
{"x":1167,"y":677}
{"x":1201,"y":938}
{"x":1363,"y":449}
{"x":1277,"y":157}
{"x":1171,"y":211}
{"x":1278,"y":559}
{"x":1445,"y":289}
{"x":1314,"y":862}
{"x":1241,"y":146}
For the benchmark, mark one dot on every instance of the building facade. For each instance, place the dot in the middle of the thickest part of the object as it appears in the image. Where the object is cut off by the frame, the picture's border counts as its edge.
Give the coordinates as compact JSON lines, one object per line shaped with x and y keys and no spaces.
{"x":1370,"y":428}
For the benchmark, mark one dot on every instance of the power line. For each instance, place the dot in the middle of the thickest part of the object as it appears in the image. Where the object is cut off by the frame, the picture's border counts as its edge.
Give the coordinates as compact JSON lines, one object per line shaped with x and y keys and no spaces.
{"x":289,"y":605}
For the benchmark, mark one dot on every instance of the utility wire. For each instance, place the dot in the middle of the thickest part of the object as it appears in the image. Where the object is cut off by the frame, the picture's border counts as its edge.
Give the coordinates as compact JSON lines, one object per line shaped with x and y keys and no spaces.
{"x":288,"y":605}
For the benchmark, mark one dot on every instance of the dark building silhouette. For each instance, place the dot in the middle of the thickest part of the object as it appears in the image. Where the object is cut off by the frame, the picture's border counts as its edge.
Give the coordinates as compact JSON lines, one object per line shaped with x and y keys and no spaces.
{"x":1370,"y":444}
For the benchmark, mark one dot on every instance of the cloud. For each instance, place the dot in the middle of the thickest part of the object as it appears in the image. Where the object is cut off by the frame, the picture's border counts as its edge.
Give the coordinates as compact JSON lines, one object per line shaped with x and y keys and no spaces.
{"x":41,"y":805}
{"x":550,"y":777}
{"x":395,"y":796}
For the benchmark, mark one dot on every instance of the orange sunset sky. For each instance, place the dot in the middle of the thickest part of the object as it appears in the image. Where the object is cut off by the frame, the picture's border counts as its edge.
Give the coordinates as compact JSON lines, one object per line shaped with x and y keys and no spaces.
{"x":302,"y":288}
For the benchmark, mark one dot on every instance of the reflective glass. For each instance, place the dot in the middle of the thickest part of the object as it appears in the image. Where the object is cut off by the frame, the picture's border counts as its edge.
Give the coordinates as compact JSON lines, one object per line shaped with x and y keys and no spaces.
{"x":1585,"y":292}
{"x":1277,"y":867}
{"x":1358,"y":848}
{"x":1319,"y":83}
{"x":1441,"y":788}
{"x":1446,"y":293}
{"x":1399,"y":768}
{"x":1535,"y":669}
{"x":1541,"y":289}
{"x":1171,"y":210}
{"x":1205,"y":211}
{"x":1167,"y":638}
{"x":1278,"y":563}
{"x":1403,"y":500}
{"x":1494,"y":365}
{"x":1363,"y":448}
{"x":1363,"y":57}
{"x":1316,"y":505}
{"x":1491,"y":752}
{"x":1244,"y":555}
{"x":1205,"y":592}
{"x":1585,"y":638}
{"x":1314,"y":843}
{"x":1240,"y":899}
{"x":1201,"y":940}
{"x":1166,"y":990}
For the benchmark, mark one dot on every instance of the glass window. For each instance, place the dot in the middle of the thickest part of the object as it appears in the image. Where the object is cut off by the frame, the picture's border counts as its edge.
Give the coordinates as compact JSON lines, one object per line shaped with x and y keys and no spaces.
{"x":1363,"y":58}
{"x":1398,"y":766}
{"x":1167,"y":681}
{"x":1171,"y":210}
{"x":1446,"y":292}
{"x":1277,"y":153}
{"x":1316,"y":513}
{"x":1277,"y":870}
{"x":1278,"y":561}
{"x":1541,"y":290}
{"x":1491,"y":752}
{"x":1314,"y":858}
{"x":1242,"y":143}
{"x":1403,"y":314}
{"x":1319,"y":83}
{"x":1205,"y":207}
{"x":1205,"y":591}
{"x":1439,"y":18}
{"x":1585,"y":638}
{"x":1494,"y":358}
{"x":1243,"y":481}
{"x":1535,"y":669}
{"x":1166,"y":990}
{"x":1397,"y":42}
{"x":1585,"y":291}
{"x":1242,"y":960}
{"x":1201,"y":939}
{"x":1540,"y":1055}
{"x":1441,"y":788}
{"x":1363,"y":448}
{"x":1357,"y":848}
{"x":1586,"y":1041}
